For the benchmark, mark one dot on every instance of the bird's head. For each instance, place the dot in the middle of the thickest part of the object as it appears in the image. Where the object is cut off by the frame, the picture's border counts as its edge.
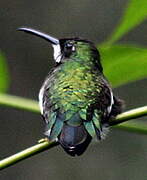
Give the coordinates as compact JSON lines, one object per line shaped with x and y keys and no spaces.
{"x":66,"y":49}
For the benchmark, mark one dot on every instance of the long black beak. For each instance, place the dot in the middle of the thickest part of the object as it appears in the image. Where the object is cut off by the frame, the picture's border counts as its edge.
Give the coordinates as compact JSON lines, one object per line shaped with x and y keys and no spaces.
{"x":45,"y":36}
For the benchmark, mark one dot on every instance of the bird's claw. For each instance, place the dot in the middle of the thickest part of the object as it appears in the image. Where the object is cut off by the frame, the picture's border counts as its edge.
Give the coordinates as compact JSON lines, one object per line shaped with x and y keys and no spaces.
{"x":43,"y":140}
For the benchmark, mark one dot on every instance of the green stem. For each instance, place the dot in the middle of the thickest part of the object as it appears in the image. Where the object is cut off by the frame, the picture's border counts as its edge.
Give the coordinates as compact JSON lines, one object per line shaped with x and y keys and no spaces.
{"x":19,"y":103}
{"x":132,"y":114}
{"x":26,"y":153}
{"x":31,"y":105}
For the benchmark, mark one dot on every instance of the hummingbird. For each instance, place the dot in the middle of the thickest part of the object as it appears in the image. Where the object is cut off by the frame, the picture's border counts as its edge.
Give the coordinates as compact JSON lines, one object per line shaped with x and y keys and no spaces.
{"x":76,"y":99}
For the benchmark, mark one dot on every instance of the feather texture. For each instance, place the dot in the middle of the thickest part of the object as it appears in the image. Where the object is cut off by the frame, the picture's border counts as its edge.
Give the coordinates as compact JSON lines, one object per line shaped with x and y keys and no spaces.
{"x":77,"y":103}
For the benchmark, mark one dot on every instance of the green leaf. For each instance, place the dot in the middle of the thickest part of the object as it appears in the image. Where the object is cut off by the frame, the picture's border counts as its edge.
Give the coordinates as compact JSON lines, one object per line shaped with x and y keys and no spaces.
{"x":4,"y":75}
{"x":134,"y":14}
{"x":124,"y":63}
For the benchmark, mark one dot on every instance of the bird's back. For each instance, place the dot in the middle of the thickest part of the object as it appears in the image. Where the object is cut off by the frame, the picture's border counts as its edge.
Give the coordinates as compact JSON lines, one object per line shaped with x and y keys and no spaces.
{"x":71,"y":105}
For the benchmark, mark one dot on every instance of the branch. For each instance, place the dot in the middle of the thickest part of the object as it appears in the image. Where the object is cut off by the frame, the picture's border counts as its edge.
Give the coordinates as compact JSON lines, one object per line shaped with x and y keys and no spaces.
{"x":31,"y":105}
{"x":132,"y":114}
{"x":26,"y":153}
{"x":19,"y":103}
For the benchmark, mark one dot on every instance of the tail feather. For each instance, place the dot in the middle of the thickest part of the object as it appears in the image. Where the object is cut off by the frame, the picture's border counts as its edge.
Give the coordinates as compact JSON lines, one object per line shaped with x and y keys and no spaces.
{"x":56,"y":129}
{"x":74,"y":140}
{"x":90,"y":128}
{"x":75,"y":134}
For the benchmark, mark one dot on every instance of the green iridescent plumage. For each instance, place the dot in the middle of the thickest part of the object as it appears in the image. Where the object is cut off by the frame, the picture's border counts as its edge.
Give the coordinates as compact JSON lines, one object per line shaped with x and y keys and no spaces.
{"x":73,"y":89}
{"x":76,"y":100}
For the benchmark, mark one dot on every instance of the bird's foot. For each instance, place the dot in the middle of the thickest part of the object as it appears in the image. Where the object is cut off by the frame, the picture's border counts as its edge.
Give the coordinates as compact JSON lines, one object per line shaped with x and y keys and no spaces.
{"x":43,"y":140}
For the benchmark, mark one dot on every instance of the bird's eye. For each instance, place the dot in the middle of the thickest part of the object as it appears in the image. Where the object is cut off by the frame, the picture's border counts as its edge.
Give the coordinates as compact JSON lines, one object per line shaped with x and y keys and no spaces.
{"x":69,"y":45}
{"x":69,"y":49}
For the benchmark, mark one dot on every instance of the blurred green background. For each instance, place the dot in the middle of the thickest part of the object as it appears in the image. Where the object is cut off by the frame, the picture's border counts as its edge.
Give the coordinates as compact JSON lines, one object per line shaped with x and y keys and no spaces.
{"x":123,"y":154}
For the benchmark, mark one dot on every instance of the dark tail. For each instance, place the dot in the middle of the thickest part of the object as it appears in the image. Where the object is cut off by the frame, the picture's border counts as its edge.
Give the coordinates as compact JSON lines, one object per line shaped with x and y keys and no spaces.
{"x":74,"y":139}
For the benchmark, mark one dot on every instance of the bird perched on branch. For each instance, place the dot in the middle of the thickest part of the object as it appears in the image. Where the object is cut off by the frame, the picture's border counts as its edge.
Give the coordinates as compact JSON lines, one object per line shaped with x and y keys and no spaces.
{"x":76,"y":100}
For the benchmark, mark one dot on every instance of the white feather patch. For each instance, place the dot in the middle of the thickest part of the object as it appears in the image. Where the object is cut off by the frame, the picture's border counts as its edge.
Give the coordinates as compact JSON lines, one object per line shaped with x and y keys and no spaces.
{"x":47,"y":133}
{"x":112,"y":102}
{"x":41,"y":99}
{"x":57,"y":53}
